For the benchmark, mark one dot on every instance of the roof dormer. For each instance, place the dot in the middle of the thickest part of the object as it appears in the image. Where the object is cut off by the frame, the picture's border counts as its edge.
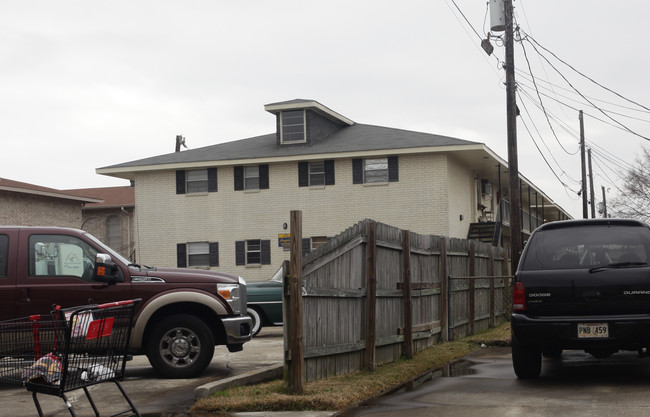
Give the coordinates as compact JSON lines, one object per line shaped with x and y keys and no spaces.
{"x":305,"y":121}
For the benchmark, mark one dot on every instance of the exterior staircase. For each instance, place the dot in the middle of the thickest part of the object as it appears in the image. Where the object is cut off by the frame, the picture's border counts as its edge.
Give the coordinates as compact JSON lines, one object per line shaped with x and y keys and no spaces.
{"x":483,"y":232}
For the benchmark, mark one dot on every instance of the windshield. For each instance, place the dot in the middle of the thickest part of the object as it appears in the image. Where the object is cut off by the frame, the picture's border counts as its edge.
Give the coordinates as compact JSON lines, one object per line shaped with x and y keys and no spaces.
{"x":278,"y":275}
{"x":108,"y":250}
{"x":587,"y":247}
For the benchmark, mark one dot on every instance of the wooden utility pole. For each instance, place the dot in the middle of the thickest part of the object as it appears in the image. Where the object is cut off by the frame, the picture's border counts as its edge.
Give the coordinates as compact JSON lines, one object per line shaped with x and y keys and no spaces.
{"x":516,"y":241}
{"x":604,"y":203}
{"x":296,"y":372}
{"x":371,"y":296}
{"x":583,"y":190}
{"x":591,"y":187}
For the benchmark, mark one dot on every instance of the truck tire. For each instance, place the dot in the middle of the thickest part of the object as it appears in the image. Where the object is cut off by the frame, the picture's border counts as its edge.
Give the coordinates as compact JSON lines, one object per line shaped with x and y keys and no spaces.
{"x":256,"y":326}
{"x":526,"y":360}
{"x":180,"y":346}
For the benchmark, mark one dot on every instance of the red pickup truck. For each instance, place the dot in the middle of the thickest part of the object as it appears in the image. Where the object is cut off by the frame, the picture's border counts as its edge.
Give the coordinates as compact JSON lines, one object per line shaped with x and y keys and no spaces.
{"x":184,"y":313}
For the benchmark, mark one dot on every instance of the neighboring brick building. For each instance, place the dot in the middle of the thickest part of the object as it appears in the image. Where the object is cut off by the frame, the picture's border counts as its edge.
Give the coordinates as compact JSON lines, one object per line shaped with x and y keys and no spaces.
{"x":23,"y":204}
{"x":111,"y":219}
{"x":228,"y":205}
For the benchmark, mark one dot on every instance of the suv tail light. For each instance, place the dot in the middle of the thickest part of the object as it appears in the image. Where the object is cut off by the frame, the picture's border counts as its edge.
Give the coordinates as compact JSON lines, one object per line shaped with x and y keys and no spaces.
{"x":518,"y":297}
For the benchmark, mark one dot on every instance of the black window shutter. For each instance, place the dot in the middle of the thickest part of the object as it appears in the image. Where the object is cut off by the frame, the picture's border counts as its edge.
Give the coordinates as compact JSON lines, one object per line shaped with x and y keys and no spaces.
{"x":393,"y":171}
{"x":181,"y":255}
{"x":212,"y":180}
{"x":214,"y":253}
{"x":264,"y":176}
{"x":306,"y":245}
{"x":329,"y":172}
{"x":239,"y":178}
{"x":180,"y":181}
{"x":240,"y":252}
{"x":266,"y":252}
{"x":357,"y":171}
{"x":303,"y":174}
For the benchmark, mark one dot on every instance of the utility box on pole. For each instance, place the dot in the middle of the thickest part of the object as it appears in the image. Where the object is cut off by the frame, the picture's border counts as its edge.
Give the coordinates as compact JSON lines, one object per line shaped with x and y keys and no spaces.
{"x":497,"y":16}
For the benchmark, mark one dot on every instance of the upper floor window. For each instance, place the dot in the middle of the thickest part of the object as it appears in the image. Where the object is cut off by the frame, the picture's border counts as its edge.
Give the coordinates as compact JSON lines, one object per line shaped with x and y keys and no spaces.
{"x":252,"y":177}
{"x":197,"y":254}
{"x":316,"y":173}
{"x":196,"y":181}
{"x":292,"y":126}
{"x":375,"y":170}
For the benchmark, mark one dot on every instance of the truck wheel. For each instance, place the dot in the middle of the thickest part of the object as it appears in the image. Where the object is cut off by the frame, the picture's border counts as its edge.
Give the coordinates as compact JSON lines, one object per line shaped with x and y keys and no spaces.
{"x":527,"y":360}
{"x":180,"y":346}
{"x":256,"y":326}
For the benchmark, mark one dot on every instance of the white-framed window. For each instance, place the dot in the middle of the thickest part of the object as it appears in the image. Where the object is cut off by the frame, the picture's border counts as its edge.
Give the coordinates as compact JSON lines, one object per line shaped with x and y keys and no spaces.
{"x":193,"y":181}
{"x":197,"y":181}
{"x":317,"y":173}
{"x":317,"y":241}
{"x":375,"y":170}
{"x":198,"y":254}
{"x":292,"y":126}
{"x":252,"y":177}
{"x":253,"y":252}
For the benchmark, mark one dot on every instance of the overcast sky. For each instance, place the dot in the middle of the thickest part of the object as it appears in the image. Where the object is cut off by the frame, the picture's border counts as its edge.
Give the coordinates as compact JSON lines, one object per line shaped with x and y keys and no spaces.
{"x":86,"y":84}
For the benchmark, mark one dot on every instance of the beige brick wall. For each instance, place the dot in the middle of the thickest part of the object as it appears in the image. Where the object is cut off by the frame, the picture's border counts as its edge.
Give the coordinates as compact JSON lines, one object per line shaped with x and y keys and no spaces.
{"x":18,"y":209}
{"x":95,"y":223}
{"x":419,"y":201}
{"x":461,"y":198}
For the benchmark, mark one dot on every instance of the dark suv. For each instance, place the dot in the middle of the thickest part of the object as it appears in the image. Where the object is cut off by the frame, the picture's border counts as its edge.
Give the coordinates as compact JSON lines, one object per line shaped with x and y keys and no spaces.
{"x":581,"y":284}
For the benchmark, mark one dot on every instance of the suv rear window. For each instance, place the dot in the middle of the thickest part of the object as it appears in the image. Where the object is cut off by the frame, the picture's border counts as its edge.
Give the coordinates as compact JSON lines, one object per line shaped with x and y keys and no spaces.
{"x":586,"y":246}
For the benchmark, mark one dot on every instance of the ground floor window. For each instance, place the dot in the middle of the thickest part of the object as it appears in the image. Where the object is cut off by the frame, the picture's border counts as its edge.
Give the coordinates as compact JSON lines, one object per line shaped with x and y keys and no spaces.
{"x":197,"y":254}
{"x":253,"y":252}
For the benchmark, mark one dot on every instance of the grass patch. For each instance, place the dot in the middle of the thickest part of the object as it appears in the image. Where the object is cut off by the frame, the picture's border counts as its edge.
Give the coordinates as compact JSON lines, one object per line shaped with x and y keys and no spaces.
{"x":345,"y":391}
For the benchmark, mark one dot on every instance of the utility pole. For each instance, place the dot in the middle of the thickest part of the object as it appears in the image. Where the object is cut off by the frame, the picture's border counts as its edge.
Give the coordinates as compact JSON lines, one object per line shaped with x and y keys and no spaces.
{"x":591,"y":187}
{"x":583,"y":190}
{"x":604,"y":202}
{"x":513,"y":164}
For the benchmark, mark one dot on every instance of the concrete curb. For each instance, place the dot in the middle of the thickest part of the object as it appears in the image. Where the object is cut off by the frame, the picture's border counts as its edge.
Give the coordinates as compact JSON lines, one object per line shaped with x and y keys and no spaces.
{"x":252,"y":377}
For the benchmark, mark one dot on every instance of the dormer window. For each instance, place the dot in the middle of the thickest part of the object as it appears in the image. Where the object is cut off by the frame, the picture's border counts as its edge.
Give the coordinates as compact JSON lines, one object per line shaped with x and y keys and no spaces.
{"x":292,"y":126}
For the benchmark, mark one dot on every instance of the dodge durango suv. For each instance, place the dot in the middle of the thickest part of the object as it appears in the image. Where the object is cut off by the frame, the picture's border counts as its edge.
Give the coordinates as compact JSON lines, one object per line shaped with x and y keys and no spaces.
{"x":581,"y":285}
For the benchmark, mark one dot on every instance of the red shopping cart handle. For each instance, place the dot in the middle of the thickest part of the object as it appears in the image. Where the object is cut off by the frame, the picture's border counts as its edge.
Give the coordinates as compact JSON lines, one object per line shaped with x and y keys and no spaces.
{"x":57,"y":307}
{"x":116,"y":304}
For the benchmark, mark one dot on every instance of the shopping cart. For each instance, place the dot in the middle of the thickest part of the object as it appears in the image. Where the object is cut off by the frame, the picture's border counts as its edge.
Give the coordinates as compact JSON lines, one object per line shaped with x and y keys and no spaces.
{"x":71,"y":349}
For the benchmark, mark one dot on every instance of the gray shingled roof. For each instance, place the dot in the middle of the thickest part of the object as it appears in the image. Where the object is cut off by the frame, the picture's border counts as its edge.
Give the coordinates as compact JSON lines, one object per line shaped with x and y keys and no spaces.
{"x":355,"y":138}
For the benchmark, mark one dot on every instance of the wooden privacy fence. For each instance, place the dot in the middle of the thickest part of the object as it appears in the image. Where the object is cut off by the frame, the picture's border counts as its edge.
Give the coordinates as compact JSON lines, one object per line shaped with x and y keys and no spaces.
{"x":376,"y":293}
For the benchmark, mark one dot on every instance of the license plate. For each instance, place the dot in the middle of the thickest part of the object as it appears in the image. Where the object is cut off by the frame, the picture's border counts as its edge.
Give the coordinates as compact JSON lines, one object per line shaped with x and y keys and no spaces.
{"x":593,"y":330}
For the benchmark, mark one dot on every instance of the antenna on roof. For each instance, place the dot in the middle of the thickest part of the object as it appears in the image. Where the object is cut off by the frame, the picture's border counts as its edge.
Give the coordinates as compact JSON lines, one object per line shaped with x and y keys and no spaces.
{"x":180,"y":140}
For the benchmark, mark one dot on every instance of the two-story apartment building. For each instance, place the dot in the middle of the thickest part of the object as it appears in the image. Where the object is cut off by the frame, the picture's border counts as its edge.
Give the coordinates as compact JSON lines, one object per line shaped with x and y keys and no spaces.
{"x":227,"y":206}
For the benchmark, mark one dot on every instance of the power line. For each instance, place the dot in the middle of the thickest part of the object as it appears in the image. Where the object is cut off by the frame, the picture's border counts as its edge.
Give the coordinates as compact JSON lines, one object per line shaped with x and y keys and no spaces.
{"x":587,"y":77}
{"x":540,"y":98}
{"x":585,"y":98}
{"x":566,"y":186}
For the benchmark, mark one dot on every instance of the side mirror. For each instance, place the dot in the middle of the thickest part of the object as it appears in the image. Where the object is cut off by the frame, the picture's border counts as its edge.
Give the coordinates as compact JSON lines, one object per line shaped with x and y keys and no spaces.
{"x":106,"y":270}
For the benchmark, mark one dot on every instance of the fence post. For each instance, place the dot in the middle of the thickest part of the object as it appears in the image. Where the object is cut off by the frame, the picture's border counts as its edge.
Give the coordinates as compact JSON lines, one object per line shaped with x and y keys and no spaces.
{"x":407,"y":300}
{"x":444,"y":291}
{"x":296,"y":365}
{"x":471,"y":293}
{"x":491,"y":269}
{"x":371,"y":295}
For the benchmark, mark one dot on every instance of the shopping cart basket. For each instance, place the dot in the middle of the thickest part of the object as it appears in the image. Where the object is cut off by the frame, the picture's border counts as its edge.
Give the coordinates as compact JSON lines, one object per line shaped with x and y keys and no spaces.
{"x":71,"y":349}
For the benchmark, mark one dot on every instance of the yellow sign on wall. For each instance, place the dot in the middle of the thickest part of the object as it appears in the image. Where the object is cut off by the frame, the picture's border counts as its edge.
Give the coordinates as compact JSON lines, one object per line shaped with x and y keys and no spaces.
{"x":284,"y":241}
